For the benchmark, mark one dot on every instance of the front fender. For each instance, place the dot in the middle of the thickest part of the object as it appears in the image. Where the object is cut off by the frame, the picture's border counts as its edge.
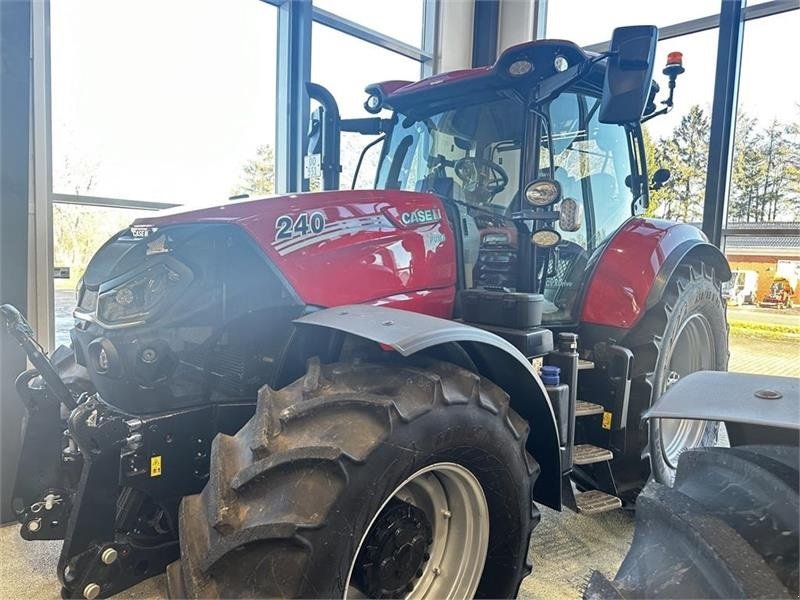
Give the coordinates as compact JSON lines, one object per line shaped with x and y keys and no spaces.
{"x":636,"y":265}
{"x":409,"y":333}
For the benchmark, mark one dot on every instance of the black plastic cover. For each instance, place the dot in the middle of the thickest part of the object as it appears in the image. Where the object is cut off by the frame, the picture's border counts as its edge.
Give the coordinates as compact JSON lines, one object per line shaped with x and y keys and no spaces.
{"x":516,"y":310}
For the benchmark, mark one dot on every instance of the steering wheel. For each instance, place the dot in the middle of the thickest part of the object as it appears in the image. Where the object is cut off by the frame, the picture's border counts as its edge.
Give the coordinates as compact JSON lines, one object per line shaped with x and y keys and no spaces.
{"x":481,"y":177}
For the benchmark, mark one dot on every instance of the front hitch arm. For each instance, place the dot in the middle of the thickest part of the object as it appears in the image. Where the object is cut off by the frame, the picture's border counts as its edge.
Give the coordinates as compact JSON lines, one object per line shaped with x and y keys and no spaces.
{"x":19,"y":328}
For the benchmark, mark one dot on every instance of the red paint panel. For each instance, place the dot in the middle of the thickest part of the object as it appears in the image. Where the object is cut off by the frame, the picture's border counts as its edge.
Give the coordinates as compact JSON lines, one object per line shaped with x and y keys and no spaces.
{"x":620,"y":284}
{"x":375,"y":244}
{"x":436,"y":303}
{"x":442,"y":78}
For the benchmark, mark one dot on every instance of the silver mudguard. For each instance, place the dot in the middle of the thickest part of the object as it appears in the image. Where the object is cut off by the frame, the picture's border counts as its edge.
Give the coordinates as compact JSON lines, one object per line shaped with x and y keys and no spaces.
{"x":755,"y":408}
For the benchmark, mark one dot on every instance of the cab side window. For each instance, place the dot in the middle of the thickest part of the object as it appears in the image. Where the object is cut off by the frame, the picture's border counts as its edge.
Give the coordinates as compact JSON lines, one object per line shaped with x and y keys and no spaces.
{"x":609,"y":170}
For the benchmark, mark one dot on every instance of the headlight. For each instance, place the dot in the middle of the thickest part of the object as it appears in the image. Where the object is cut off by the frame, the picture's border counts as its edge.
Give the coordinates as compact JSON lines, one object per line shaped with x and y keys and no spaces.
{"x":136,"y":297}
{"x":543,"y":192}
{"x":546,"y":238}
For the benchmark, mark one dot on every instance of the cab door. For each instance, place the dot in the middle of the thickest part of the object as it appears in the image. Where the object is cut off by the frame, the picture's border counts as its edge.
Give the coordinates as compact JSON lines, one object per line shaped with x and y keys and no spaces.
{"x":592,"y":163}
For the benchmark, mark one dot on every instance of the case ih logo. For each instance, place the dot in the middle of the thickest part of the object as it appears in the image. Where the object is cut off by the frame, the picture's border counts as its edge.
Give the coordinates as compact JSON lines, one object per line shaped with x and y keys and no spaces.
{"x":421,"y":216}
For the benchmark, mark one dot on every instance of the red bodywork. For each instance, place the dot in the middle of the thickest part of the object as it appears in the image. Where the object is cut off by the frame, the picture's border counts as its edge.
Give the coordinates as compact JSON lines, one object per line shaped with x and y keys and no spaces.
{"x":364,"y":254}
{"x":617,"y":292}
{"x":367,"y":254}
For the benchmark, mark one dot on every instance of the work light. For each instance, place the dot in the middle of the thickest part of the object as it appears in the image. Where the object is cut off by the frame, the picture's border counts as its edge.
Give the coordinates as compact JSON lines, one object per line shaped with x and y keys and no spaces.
{"x":545,"y":238}
{"x":543,"y":192}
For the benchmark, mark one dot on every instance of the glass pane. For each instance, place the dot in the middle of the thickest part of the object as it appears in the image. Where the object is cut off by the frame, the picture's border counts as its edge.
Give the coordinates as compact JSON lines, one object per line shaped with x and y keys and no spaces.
{"x":678,"y":141}
{"x":160,"y":101}
{"x":330,"y":50}
{"x":764,"y":207}
{"x":78,"y":232}
{"x":469,"y":153}
{"x":400,"y":20}
{"x":598,"y":19}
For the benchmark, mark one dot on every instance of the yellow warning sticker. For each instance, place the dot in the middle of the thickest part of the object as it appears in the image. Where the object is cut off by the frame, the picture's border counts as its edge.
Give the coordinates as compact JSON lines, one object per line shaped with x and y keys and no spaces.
{"x":606,"y":422}
{"x":155,"y":466}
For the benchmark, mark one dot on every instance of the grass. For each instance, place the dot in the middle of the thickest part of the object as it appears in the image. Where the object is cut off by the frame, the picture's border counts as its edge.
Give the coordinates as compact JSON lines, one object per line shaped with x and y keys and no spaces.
{"x":765,"y":330}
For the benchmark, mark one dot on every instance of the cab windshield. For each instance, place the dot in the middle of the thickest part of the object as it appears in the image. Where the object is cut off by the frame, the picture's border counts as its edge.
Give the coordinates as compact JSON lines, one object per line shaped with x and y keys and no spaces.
{"x":470,"y":154}
{"x":478,"y":157}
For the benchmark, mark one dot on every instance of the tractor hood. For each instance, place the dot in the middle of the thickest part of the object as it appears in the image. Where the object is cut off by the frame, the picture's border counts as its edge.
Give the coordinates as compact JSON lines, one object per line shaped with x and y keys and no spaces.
{"x":340,"y":247}
{"x":190,"y":303}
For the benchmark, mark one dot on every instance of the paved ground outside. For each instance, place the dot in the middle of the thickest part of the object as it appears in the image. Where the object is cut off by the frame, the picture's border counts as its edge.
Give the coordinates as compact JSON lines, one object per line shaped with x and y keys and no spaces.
{"x":754,"y":352}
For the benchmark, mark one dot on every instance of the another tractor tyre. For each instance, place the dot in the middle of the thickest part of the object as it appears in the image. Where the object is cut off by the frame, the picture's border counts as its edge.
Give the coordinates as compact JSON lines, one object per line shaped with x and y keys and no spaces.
{"x":728,"y":528}
{"x":365,"y":480}
{"x":686,"y":331}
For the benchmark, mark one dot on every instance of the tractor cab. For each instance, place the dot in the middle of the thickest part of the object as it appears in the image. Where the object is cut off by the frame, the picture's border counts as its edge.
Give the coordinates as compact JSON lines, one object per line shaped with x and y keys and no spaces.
{"x":537,"y":159}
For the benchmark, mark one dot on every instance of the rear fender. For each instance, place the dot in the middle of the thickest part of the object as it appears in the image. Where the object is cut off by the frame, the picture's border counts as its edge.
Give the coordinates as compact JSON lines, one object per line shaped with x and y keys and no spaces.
{"x":636,"y":265}
{"x":694,"y":250}
{"x":409,"y":333}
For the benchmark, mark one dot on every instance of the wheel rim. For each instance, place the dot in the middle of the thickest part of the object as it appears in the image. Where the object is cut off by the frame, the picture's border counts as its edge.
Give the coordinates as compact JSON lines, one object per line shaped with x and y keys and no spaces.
{"x":693,"y":351}
{"x":453,"y":502}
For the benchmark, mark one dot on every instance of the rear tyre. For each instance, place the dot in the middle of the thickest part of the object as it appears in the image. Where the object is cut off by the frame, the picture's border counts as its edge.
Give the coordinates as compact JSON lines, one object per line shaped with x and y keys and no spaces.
{"x":685,"y":332}
{"x":365,"y":480}
{"x":728,"y":528}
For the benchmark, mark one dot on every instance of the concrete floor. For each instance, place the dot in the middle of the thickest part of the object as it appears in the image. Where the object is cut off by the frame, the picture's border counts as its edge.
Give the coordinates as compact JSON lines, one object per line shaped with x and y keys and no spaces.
{"x":564,"y":550}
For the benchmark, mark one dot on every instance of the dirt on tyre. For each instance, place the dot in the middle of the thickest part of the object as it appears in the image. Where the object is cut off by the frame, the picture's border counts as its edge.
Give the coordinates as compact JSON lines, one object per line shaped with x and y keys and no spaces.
{"x":365,"y":480}
{"x":728,"y":528}
{"x":686,"y":331}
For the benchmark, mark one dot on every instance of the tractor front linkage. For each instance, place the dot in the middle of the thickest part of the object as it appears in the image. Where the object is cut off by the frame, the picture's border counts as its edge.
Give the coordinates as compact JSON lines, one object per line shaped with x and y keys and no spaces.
{"x":100,"y":479}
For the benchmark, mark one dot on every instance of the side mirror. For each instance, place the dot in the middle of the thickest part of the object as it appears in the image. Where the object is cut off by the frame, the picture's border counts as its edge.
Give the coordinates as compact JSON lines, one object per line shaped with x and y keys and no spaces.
{"x":660,"y":177}
{"x":629,"y":74}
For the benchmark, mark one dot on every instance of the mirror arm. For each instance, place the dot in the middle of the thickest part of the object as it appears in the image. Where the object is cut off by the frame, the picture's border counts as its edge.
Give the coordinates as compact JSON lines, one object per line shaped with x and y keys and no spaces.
{"x":367,"y":125}
{"x":667,"y":103}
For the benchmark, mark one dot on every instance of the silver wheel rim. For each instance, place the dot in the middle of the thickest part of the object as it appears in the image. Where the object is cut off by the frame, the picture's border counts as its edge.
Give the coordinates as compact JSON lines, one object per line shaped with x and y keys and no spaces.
{"x":693,"y":351}
{"x":454,"y":503}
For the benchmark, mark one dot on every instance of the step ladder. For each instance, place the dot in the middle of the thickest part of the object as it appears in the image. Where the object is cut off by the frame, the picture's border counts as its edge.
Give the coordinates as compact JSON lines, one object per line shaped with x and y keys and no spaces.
{"x":591,"y":502}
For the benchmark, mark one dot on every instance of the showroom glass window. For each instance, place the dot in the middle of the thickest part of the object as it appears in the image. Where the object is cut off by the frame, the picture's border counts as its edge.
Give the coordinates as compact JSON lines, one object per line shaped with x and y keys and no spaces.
{"x":161,"y":101}
{"x":598,"y":19}
{"x":763,"y":212}
{"x":364,"y":63}
{"x":169,"y":102}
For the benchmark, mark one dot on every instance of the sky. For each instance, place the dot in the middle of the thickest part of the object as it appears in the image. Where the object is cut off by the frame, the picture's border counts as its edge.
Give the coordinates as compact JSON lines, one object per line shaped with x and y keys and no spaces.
{"x":166,"y":100}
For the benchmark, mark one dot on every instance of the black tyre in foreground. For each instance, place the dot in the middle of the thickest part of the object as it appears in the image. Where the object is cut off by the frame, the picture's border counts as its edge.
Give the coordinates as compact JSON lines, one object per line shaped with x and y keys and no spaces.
{"x":728,"y":528}
{"x":365,"y":480}
{"x":685,"y":332}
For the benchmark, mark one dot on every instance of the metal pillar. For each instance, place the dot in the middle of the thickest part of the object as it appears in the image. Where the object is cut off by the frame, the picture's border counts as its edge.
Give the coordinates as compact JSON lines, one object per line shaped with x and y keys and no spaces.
{"x":540,"y":17}
{"x":485,"y":23}
{"x":723,"y":118}
{"x":294,"y":69}
{"x":15,"y":102}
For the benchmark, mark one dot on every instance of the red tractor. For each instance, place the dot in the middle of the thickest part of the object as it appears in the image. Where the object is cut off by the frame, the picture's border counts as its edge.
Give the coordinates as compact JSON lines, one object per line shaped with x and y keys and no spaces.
{"x":334,"y":394}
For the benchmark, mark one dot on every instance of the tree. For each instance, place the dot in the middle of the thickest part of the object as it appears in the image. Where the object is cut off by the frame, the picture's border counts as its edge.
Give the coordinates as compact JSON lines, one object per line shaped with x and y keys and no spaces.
{"x":79,"y":230}
{"x":765,"y":171}
{"x":685,"y":154}
{"x":748,"y":169}
{"x":258,"y":174}
{"x":651,"y":159}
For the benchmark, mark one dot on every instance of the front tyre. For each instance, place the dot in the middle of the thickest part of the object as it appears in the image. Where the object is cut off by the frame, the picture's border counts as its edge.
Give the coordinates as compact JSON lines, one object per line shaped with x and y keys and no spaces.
{"x":365,"y":480}
{"x":685,"y":332}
